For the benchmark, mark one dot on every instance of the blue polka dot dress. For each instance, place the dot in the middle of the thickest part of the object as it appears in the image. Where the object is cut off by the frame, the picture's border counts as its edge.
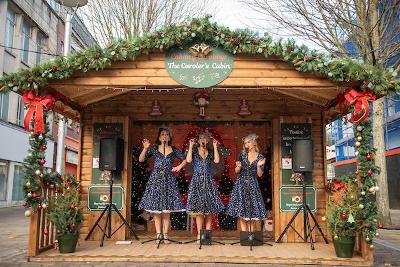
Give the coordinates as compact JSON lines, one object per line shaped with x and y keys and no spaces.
{"x":203,"y":195}
{"x":246,"y":198}
{"x":162,"y":193}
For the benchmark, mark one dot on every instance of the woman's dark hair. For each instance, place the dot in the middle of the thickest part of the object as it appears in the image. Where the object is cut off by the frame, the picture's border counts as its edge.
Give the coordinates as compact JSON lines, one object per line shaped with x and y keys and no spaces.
{"x":158,"y":142}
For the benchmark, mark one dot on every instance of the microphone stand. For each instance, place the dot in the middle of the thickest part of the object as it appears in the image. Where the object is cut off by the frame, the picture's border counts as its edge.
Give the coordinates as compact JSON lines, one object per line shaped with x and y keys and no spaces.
{"x":161,"y":237}
{"x":203,"y":234}
{"x":251,"y":238}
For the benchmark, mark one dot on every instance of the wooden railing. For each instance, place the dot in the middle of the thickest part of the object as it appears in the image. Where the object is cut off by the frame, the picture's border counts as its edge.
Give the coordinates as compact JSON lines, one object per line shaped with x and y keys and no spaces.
{"x":38,"y":240}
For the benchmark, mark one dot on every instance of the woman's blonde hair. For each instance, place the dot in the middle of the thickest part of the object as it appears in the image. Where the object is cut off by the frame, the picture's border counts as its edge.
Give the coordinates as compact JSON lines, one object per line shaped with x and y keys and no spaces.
{"x":253,"y":137}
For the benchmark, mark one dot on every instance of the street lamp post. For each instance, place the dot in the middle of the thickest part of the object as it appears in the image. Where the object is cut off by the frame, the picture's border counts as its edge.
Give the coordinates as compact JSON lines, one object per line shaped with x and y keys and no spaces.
{"x":75,"y":4}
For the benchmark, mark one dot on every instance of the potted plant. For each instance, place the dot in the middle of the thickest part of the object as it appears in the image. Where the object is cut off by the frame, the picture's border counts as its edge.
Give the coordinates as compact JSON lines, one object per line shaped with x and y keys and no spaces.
{"x":65,"y":213}
{"x":344,"y":218}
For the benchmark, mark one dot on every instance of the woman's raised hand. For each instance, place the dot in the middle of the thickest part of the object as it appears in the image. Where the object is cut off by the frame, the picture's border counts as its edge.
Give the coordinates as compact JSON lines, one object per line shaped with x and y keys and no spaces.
{"x":191,"y":142}
{"x":146,"y":143}
{"x":238,"y":164}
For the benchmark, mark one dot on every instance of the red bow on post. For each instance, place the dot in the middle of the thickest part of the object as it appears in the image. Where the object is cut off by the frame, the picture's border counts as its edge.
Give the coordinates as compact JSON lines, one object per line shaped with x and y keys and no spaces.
{"x":360,"y":102}
{"x":36,"y":106}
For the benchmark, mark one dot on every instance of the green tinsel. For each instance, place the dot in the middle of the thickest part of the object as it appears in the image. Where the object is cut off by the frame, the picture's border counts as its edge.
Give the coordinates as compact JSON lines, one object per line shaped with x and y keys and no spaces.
{"x":202,"y":30}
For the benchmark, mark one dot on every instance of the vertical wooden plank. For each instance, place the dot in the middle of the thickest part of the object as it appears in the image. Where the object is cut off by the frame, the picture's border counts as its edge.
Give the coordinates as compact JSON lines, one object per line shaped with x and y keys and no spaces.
{"x":276,"y":175}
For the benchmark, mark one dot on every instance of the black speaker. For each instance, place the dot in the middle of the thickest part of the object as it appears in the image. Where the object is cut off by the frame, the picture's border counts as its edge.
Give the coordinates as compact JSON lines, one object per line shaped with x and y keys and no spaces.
{"x":205,"y":236}
{"x":302,"y":155}
{"x":256,"y":236}
{"x":111,"y":154}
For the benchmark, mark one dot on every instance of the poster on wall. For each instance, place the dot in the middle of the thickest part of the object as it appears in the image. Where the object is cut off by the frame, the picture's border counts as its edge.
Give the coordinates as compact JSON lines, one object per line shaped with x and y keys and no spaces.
{"x":291,"y":198}
{"x":290,"y":132}
{"x":98,"y":197}
{"x":104,"y":130}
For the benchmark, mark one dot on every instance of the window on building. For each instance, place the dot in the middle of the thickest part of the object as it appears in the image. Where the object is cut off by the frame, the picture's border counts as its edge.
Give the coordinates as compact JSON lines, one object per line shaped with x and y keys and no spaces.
{"x":345,"y":150}
{"x":4,"y":106}
{"x":20,"y":111}
{"x":26,"y":31}
{"x":10,"y":25}
{"x":18,"y":181}
{"x":392,"y":134}
{"x":38,"y":47}
{"x":392,"y":105}
{"x":3,"y":179}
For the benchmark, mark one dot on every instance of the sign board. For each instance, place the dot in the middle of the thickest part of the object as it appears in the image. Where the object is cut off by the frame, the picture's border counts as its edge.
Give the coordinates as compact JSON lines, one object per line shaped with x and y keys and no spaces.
{"x":98,"y":197}
{"x":104,"y":130}
{"x":291,"y":198}
{"x":289,"y":132}
{"x":198,"y":71}
{"x":330,"y":152}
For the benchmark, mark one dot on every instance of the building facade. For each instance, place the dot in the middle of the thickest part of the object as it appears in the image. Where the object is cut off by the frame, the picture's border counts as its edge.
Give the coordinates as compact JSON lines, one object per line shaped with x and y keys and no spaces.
{"x":31,"y":31}
{"x":340,"y":138}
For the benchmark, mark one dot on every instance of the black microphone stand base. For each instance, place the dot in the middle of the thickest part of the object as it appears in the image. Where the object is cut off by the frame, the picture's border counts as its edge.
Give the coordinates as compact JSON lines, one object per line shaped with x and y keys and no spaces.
{"x":252,"y":240}
{"x":160,"y":239}
{"x":203,"y":240}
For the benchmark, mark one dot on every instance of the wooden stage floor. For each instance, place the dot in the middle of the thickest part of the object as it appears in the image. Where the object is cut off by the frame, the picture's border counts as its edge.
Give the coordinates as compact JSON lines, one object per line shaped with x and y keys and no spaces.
{"x":283,"y":253}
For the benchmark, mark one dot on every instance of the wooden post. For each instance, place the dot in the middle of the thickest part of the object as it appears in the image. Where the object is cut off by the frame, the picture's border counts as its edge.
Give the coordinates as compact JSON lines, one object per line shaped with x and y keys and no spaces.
{"x":33,"y":244}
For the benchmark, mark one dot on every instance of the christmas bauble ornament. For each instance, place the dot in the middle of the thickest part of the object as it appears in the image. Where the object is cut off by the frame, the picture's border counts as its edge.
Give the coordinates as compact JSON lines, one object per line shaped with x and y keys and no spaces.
{"x":41,"y":175}
{"x":377,"y":188}
{"x":363,"y":193}
{"x":45,"y":231}
{"x":343,"y":216}
{"x":369,"y":156}
{"x":29,"y":195}
{"x":40,"y":137}
{"x":34,"y":195}
{"x":28,"y":213}
{"x":369,"y":172}
{"x":375,"y":220}
{"x":357,"y":172}
{"x":336,"y":237}
{"x":43,"y":148}
{"x":28,"y":184}
{"x":376,"y":234}
{"x":380,"y":226}
{"x":72,"y":207}
{"x":42,"y":162}
{"x":361,"y":206}
{"x":39,"y":206}
{"x":31,"y":133}
{"x":356,"y":153}
{"x":371,"y":246}
{"x":367,"y":239}
{"x":358,"y":144}
{"x":29,"y":154}
{"x":372,"y":189}
{"x":355,"y":180}
{"x":37,"y":172}
{"x":359,"y":128}
{"x":351,"y":196}
{"x":44,"y":205}
{"x":359,"y":138}
{"x":73,"y":225}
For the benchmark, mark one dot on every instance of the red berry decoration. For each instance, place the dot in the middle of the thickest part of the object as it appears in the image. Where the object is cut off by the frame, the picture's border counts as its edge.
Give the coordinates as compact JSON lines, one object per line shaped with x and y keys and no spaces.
{"x":72,"y":207}
{"x":34,"y":195}
{"x":43,"y":147}
{"x":42,"y":162}
{"x":343,"y":216}
{"x":73,"y":225}
{"x":369,"y":156}
{"x":40,"y":206}
{"x":380,"y":226}
{"x":370,"y":172}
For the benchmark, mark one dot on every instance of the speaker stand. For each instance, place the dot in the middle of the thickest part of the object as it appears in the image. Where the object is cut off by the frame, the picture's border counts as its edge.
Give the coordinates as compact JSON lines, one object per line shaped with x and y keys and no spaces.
{"x":109,"y":208}
{"x":307,"y":233}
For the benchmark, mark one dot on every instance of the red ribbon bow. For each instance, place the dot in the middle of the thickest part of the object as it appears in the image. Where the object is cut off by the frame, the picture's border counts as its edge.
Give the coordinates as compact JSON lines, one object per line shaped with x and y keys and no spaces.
{"x":360,"y":102}
{"x":36,"y":106}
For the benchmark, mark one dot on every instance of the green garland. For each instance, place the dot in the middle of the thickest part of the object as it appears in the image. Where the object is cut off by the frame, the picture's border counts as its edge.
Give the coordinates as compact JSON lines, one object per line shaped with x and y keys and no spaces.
{"x":36,"y":179}
{"x":366,"y":177}
{"x":202,"y":30}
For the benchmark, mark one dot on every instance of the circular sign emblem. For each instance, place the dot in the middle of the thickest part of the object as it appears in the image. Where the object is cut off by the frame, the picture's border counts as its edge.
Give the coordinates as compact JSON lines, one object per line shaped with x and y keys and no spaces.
{"x":200,"y":66}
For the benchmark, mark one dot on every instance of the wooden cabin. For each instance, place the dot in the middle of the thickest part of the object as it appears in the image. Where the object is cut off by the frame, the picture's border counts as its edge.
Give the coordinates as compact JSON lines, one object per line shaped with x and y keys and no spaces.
{"x":119,"y":100}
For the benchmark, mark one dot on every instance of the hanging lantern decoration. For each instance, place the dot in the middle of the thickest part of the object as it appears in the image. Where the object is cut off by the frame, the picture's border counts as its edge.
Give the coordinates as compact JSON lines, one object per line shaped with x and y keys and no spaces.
{"x":155,"y":109}
{"x":244,"y":109}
